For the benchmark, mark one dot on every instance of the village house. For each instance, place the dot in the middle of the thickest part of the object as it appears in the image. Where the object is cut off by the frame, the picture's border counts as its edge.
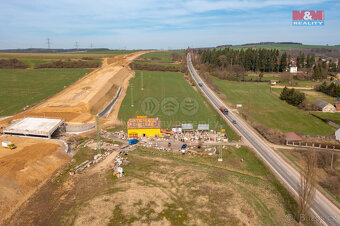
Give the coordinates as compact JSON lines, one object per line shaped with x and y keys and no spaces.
{"x":324,"y":106}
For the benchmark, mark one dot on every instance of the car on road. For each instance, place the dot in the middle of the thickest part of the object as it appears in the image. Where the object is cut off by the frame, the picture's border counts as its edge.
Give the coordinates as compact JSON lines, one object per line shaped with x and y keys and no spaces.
{"x":234,"y":121}
{"x":184,"y":146}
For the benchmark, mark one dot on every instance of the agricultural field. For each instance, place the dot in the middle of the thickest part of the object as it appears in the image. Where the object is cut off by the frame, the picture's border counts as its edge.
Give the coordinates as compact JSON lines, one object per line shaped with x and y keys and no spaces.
{"x":166,"y":188}
{"x":169,"y":87}
{"x":162,"y":56}
{"x":19,"y":88}
{"x":34,"y":59}
{"x":268,"y":110}
{"x":109,"y":52}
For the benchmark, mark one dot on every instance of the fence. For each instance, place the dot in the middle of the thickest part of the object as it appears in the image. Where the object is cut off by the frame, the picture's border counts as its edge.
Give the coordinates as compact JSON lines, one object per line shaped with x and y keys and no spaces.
{"x":313,"y":145}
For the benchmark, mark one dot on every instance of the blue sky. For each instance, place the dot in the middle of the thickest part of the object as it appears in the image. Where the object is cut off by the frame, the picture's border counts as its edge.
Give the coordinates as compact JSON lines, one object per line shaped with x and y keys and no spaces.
{"x":160,"y":24}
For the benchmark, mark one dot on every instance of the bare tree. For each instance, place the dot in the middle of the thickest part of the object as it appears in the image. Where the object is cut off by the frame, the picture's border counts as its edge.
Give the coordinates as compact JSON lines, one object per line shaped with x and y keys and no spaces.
{"x":306,"y":187}
{"x":261,"y":76}
{"x":223,"y":60}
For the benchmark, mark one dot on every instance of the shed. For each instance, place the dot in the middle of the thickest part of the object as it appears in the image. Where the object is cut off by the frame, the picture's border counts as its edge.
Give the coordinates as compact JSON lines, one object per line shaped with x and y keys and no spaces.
{"x":291,"y":136}
{"x":203,"y":127}
{"x":177,"y":129}
{"x":187,"y":127}
{"x":324,"y":106}
{"x":274,"y":82}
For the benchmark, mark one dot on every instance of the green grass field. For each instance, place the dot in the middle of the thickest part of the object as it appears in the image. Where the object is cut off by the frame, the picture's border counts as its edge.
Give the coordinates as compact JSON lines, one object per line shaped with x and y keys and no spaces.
{"x":19,"y":88}
{"x":267,"y":109}
{"x":284,"y":46}
{"x":160,"y":57}
{"x":34,"y":59}
{"x":161,"y":85}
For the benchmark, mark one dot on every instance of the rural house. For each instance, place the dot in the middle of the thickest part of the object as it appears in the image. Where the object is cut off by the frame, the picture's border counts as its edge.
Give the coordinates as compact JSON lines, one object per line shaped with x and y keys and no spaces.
{"x":337,"y":105}
{"x":324,"y":106}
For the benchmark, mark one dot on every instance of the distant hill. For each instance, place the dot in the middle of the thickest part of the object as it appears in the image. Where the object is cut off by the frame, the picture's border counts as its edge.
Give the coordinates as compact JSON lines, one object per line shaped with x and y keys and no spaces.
{"x":284,"y":46}
{"x":292,"y":48}
{"x":43,"y":50}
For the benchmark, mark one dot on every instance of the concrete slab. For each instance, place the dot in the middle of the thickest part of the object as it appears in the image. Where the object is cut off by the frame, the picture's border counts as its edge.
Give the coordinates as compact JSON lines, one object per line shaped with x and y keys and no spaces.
{"x":34,"y":126}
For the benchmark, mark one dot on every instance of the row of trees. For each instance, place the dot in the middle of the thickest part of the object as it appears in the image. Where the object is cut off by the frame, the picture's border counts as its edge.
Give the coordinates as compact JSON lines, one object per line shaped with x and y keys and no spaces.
{"x":292,"y":96}
{"x":69,"y":64}
{"x":265,"y":60}
{"x":331,"y":89}
{"x":305,"y":62}
{"x":12,"y":63}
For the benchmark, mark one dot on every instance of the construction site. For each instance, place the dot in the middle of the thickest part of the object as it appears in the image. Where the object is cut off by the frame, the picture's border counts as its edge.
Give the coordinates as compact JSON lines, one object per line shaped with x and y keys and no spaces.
{"x":36,"y":142}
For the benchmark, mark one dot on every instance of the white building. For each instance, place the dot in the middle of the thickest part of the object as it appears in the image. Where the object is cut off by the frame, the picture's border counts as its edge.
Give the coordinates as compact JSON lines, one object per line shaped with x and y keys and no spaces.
{"x":293,"y":69}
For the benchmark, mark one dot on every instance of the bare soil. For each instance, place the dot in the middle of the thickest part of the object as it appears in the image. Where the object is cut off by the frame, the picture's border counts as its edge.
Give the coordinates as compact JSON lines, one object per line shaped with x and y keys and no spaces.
{"x":155,"y":190}
{"x":25,"y":168}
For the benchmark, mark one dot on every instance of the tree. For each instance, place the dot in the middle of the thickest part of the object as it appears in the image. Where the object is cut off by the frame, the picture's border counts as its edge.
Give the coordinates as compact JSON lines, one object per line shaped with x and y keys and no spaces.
{"x":284,"y":93}
{"x":306,"y":187}
{"x":223,"y":60}
{"x":283,"y":62}
{"x":239,"y":71}
{"x":261,"y":76}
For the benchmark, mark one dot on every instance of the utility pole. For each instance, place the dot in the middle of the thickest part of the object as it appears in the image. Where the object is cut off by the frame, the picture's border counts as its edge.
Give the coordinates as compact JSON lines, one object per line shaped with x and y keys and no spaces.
{"x":98,"y":135}
{"x":142,"y":81}
{"x":132,"y":95}
{"x":220,"y":156}
{"x":48,"y":42}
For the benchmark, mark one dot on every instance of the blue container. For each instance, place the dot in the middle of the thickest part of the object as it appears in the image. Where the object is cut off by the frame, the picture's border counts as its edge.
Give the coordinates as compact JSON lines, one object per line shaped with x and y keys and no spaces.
{"x":133,"y":141}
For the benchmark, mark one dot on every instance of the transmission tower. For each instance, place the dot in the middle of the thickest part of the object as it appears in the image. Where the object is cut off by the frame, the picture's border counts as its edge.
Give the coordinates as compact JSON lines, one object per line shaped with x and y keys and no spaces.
{"x":132,"y":95}
{"x":91,"y":45}
{"x":48,"y":42}
{"x":142,"y":81}
{"x":76,"y":44}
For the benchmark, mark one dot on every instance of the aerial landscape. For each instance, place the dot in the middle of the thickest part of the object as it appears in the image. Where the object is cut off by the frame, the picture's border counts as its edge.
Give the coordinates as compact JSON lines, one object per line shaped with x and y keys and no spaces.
{"x":212,"y":112}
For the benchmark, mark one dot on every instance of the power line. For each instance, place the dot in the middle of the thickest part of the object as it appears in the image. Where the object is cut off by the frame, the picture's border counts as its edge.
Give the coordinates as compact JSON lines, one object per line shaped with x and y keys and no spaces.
{"x":48,"y":42}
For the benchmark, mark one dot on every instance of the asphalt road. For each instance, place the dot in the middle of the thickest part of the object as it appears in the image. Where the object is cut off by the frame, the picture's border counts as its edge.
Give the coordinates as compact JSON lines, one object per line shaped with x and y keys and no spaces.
{"x":323,"y":210}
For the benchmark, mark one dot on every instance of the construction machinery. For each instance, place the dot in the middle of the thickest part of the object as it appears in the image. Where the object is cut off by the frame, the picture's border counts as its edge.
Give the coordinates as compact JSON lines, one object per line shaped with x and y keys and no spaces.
{"x":8,"y":144}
